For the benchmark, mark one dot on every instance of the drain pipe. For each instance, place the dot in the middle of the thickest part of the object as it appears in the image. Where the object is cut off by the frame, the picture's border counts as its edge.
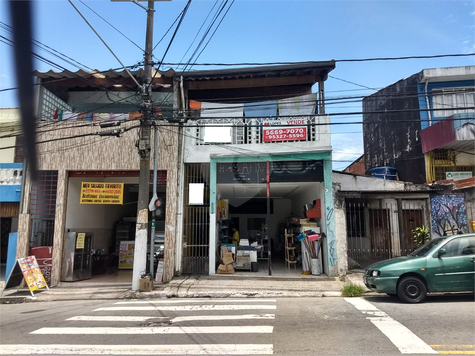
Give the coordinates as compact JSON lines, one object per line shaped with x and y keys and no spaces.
{"x":428,"y":103}
{"x":180,"y":182}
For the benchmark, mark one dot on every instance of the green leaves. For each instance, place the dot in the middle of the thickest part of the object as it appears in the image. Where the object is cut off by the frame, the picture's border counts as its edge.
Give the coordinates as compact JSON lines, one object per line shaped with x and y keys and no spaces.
{"x":420,"y":235}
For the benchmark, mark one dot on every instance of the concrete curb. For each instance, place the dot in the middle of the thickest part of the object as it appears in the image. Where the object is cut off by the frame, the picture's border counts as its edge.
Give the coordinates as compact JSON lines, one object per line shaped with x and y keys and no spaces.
{"x":192,"y":287}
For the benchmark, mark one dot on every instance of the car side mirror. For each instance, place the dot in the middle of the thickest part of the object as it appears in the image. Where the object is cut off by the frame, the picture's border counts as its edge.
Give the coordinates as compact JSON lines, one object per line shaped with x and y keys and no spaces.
{"x":441,"y":252}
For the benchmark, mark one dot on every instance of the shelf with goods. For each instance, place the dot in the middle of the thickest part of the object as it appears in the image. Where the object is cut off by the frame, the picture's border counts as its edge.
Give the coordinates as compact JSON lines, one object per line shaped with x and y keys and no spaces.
{"x":124,"y":231}
{"x":290,"y":258}
{"x":224,"y":230}
{"x":263,"y":253}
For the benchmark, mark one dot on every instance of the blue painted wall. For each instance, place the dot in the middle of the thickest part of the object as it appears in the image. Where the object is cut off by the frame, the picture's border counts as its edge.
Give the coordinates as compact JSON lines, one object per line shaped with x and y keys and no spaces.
{"x":10,"y":193}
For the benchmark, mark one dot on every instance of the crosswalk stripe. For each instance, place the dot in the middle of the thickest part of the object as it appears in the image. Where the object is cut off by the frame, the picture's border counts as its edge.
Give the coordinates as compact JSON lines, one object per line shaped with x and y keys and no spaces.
{"x":403,"y":338}
{"x":113,"y":318}
{"x":173,"y":301}
{"x":174,"y":320}
{"x":155,"y":330}
{"x":191,"y":307}
{"x":222,"y":317}
{"x":127,"y":350}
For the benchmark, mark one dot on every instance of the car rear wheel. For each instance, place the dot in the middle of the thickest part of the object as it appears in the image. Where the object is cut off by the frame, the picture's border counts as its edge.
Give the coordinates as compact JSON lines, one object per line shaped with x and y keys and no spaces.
{"x":411,"y":290}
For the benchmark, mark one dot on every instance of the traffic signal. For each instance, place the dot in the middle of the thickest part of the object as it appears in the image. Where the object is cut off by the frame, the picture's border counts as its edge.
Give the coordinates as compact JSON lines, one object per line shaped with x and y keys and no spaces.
{"x":159,"y":207}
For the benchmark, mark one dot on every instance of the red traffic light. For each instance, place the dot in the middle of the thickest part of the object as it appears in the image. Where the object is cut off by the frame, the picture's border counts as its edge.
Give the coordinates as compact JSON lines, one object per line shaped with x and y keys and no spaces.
{"x":158,"y":203}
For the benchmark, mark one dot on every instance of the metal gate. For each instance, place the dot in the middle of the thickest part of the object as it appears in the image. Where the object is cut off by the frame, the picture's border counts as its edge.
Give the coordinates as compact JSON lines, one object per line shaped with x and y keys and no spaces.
{"x":378,"y":229}
{"x":43,"y":208}
{"x":196,"y":223}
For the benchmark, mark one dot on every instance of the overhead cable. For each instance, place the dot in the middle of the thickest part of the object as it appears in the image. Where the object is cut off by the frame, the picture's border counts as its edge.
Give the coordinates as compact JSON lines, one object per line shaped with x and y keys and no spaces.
{"x":105,"y":44}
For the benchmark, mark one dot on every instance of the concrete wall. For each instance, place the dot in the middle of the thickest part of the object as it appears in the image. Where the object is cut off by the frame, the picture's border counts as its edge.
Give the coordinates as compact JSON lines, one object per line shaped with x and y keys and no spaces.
{"x":366,"y":183}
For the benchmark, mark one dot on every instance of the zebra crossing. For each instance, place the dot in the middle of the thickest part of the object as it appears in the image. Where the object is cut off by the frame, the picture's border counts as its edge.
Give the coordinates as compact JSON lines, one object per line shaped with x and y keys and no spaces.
{"x":160,"y":327}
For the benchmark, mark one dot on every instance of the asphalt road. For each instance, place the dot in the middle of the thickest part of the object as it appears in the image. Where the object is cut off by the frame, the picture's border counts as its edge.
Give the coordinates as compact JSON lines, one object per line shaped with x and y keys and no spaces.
{"x":281,"y":326}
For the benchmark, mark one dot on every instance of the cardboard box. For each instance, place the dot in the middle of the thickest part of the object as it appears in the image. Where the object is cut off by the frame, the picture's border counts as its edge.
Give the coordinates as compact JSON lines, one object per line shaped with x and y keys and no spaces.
{"x":225,"y":269}
{"x":227,"y":258}
{"x":146,"y":285}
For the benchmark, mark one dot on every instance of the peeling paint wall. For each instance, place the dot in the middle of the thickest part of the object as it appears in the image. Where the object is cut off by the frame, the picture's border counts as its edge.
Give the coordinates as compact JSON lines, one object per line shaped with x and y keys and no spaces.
{"x":391,"y":130}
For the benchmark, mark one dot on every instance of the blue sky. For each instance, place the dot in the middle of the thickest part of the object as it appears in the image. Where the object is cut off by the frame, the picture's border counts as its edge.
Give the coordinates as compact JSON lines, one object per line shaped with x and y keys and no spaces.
{"x":267,"y":31}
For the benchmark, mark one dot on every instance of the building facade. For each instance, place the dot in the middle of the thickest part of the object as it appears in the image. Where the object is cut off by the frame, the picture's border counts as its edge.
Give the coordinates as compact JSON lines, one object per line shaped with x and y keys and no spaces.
{"x":11,"y":179}
{"x":423,"y":128}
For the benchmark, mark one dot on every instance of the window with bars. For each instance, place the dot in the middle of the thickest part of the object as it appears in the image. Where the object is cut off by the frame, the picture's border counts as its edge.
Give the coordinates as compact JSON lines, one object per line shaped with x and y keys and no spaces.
{"x":43,"y":208}
{"x":49,"y":104}
{"x":447,"y":99}
{"x":444,"y":157}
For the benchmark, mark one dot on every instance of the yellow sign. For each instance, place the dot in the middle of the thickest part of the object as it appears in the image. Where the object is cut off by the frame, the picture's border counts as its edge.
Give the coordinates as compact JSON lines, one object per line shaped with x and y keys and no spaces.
{"x":80,"y":240}
{"x":32,"y":273}
{"x":126,"y":254}
{"x":102,"y":193}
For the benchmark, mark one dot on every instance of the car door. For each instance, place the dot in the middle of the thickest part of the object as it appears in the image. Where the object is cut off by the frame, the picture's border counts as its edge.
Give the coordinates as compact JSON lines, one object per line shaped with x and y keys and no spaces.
{"x":454,"y":270}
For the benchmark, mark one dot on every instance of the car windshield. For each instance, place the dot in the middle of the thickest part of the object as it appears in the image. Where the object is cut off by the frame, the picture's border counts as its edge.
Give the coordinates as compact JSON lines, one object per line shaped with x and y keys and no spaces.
{"x":424,"y":249}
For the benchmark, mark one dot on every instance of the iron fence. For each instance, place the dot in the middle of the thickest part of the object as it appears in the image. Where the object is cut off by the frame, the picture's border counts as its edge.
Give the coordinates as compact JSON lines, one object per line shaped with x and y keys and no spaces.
{"x":378,"y":229}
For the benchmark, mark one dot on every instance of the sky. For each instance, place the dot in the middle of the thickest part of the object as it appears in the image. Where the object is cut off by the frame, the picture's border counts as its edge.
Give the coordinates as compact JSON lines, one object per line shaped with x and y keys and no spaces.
{"x":266,"y":31}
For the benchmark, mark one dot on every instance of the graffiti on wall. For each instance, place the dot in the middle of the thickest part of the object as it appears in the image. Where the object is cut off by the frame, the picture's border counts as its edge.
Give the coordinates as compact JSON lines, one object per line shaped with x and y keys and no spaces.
{"x":448,"y":215}
{"x":331,"y":238}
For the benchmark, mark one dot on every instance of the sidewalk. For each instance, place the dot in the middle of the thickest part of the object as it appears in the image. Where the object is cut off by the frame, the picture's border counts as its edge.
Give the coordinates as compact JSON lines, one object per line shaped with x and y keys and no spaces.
{"x":196,"y":286}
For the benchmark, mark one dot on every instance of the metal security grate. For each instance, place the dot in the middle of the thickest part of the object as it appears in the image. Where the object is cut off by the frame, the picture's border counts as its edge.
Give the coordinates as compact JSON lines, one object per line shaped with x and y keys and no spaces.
{"x":196,"y":223}
{"x":43,"y":208}
{"x":378,"y":229}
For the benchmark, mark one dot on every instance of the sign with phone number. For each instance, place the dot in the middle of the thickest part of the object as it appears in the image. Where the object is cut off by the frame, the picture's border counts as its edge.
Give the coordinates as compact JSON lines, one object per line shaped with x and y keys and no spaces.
{"x":285,"y":134}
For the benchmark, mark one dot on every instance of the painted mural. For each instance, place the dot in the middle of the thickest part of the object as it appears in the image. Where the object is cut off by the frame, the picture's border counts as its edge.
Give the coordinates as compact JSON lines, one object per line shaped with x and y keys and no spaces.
{"x":448,"y":215}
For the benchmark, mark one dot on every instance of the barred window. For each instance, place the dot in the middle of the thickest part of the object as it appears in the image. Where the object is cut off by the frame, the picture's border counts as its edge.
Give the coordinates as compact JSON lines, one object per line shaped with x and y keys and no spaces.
{"x":450,"y":98}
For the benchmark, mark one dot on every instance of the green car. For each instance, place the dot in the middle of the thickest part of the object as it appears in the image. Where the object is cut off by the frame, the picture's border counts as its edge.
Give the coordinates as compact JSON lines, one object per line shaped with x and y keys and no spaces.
{"x":444,"y":264}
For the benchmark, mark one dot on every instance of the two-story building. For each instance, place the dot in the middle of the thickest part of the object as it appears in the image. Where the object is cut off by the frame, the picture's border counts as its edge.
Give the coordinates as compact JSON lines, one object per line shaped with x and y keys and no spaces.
{"x":258,"y":140}
{"x":421,"y":129}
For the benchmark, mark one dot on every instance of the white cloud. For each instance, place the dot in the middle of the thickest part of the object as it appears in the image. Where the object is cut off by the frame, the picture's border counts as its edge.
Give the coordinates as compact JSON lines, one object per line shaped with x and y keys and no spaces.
{"x":346,"y":149}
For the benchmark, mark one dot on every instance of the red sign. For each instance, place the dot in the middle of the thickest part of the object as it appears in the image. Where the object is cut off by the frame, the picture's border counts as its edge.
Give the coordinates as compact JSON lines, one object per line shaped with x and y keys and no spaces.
{"x":44,"y":257}
{"x":297,"y":133}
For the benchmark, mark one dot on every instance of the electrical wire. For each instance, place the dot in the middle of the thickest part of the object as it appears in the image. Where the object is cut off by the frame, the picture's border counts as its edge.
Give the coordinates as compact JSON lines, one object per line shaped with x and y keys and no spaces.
{"x":185,"y":10}
{"x":110,"y":50}
{"x":115,"y":28}
{"x":335,"y":60}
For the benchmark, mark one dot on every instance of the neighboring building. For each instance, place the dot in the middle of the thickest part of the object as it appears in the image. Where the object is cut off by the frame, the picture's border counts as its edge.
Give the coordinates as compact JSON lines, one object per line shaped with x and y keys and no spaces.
{"x":378,"y":215}
{"x":72,"y":150}
{"x":423,"y":127}
{"x":11,"y":173}
{"x":357,"y":167}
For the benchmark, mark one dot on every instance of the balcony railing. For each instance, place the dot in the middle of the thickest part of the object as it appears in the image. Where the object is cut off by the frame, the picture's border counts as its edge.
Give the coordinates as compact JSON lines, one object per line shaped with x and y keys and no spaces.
{"x":247,"y":131}
{"x":11,"y":175}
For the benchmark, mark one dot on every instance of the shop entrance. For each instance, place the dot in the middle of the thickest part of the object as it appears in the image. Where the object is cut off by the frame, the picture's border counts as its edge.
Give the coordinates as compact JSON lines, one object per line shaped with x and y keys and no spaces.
{"x":288,"y":209}
{"x":101,"y":236}
{"x":296,"y":190}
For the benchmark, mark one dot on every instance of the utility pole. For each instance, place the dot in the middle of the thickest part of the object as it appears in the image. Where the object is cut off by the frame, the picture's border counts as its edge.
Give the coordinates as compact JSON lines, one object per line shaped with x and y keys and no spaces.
{"x":140,"y":253}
